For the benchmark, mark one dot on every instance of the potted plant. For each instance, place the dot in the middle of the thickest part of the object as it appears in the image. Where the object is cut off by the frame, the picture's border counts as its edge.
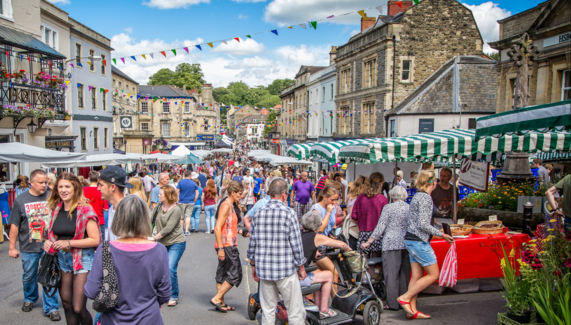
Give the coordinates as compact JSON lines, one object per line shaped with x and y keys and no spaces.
{"x":516,"y":290}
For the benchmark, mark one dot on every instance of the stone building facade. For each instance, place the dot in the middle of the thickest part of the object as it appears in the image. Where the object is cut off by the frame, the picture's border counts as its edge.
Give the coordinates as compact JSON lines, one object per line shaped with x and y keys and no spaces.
{"x":549,"y":27}
{"x":385,"y":62}
{"x":124,"y":94}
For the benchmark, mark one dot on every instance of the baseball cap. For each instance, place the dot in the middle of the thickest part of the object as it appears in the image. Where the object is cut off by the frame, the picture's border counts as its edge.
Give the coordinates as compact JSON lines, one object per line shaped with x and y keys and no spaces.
{"x":115,"y":175}
{"x":193,"y":175}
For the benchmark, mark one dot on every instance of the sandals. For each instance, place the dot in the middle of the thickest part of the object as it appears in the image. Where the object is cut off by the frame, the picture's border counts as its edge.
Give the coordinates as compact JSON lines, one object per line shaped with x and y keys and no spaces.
{"x":172,"y":303}
{"x":404,"y":305}
{"x":218,"y":306}
{"x":330,"y":313}
{"x":228,"y":308}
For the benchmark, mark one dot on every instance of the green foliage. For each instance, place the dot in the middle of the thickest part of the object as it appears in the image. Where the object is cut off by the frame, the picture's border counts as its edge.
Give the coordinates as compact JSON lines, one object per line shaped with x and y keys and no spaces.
{"x":271,"y":120}
{"x":276,"y":87}
{"x":494,"y":55}
{"x":516,"y":288}
{"x":499,"y":197}
{"x":239,"y":93}
{"x":187,"y":74}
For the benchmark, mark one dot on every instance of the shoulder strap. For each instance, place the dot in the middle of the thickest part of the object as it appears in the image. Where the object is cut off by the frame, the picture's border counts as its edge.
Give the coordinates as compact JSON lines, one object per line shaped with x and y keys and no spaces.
{"x":154,"y":217}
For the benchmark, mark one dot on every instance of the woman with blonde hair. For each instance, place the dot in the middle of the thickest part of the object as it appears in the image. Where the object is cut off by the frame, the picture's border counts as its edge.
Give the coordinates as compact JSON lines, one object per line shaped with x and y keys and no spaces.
{"x":417,"y":241}
{"x":73,"y":233}
{"x":350,"y":226}
{"x":339,"y":213}
{"x":51,"y":181}
{"x":23,"y":185}
{"x":137,"y":189}
{"x":82,"y":181}
{"x":209,"y":198}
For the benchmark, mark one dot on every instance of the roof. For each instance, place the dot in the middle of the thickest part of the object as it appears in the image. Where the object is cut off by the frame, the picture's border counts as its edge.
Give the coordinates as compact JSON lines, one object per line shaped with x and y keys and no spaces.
{"x":539,"y":6}
{"x":278,"y":106}
{"x":163,"y":91}
{"x":27,"y":42}
{"x":121,"y":74}
{"x":435,"y":94}
{"x":265,"y":111}
{"x":382,"y":20}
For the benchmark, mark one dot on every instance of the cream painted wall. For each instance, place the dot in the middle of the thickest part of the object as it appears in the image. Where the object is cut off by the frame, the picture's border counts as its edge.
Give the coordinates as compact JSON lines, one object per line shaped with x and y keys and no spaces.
{"x":408,"y":124}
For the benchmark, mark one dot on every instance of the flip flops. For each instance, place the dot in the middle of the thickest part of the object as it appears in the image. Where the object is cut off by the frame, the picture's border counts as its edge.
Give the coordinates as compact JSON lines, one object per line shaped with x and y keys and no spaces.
{"x":218,"y":306}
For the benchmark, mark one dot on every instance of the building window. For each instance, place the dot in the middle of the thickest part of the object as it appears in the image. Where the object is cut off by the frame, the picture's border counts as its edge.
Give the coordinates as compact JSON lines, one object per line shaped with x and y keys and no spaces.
{"x":205,"y":125}
{"x":91,"y":55}
{"x":344,"y":121}
{"x":331,"y":98}
{"x":566,"y":85}
{"x":105,"y":137}
{"x":144,"y":126}
{"x":166,"y":132}
{"x":77,"y":53}
{"x":405,"y":70}
{"x":120,"y":85}
{"x":80,"y":96}
{"x":95,"y":138}
{"x":49,"y":36}
{"x":345,"y":80}
{"x":93,"y":101}
{"x":187,"y":107}
{"x":113,"y":83}
{"x":166,"y":108}
{"x":6,"y":8}
{"x":393,"y":129}
{"x":472,"y":123}
{"x":144,"y":107}
{"x":368,"y":118}
{"x":104,"y":100}
{"x":255,"y":130}
{"x":323,"y":94}
{"x":187,"y":130}
{"x":102,"y":64}
{"x":83,"y":139}
{"x":369,"y":75}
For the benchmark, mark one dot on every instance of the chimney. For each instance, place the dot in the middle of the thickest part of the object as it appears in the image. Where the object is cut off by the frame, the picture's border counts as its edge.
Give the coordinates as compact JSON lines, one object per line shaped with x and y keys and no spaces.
{"x":184,"y":87}
{"x":332,"y":55}
{"x":394,"y":8}
{"x":367,"y":22}
{"x":207,"y":98}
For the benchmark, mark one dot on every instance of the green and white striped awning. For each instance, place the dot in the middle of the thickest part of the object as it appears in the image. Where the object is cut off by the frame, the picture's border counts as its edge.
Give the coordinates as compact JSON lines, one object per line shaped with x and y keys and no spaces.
{"x":330,"y":150}
{"x":443,"y":145}
{"x":554,"y":156}
{"x":299,"y":151}
{"x":541,"y":118}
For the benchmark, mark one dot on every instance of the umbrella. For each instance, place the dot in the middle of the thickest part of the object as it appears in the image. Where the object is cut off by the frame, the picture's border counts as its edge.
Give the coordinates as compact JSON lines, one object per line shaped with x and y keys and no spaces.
{"x":19,"y":152}
{"x":540,"y":118}
{"x":154,"y":152}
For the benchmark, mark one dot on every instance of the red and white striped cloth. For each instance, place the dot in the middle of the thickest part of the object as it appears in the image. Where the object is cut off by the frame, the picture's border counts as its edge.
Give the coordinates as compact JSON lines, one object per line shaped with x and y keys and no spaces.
{"x":449,"y":272}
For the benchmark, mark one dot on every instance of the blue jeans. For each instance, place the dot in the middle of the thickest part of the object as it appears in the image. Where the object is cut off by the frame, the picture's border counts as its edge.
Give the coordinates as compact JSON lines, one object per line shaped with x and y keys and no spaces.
{"x":175,"y":253}
{"x":209,"y":211}
{"x":195,"y":217}
{"x":30,"y":263}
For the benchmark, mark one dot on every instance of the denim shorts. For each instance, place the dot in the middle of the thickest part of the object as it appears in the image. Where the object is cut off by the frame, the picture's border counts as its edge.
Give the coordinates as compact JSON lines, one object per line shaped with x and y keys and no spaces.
{"x":420,"y":252}
{"x":66,"y":261}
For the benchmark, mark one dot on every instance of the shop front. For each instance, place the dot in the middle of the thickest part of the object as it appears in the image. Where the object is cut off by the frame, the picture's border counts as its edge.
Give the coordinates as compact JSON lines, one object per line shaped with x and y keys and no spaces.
{"x":209,"y":139}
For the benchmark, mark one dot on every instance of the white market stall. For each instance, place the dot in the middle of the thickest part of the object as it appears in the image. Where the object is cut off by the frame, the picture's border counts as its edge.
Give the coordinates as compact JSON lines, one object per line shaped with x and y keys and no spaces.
{"x":18,"y":152}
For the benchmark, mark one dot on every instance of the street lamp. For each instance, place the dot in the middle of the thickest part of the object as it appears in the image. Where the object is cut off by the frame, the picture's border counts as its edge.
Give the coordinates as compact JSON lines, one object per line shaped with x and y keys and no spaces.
{"x":32,"y":127}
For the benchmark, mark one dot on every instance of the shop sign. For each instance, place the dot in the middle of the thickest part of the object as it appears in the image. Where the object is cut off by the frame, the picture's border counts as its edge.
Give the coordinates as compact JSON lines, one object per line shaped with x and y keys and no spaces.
{"x":35,"y":96}
{"x":126,"y":122}
{"x":474,"y":174}
{"x":205,"y":137}
{"x":557,"y":39}
{"x":275,"y":140}
{"x":147,"y":141}
{"x":57,"y":144}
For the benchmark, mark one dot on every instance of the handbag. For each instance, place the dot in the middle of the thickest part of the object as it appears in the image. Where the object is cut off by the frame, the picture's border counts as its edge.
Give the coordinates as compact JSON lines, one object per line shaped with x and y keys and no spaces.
{"x":49,"y":274}
{"x":108,"y":295}
{"x":356,"y":261}
{"x":154,"y":219}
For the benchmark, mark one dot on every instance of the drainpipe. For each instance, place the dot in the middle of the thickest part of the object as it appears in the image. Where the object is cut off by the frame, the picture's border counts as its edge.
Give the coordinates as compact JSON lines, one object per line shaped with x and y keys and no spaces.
{"x":394,"y":68}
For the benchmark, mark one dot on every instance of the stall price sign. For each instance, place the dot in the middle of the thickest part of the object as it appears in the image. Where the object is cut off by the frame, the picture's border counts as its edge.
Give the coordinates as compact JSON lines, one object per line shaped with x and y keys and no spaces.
{"x":474,"y":174}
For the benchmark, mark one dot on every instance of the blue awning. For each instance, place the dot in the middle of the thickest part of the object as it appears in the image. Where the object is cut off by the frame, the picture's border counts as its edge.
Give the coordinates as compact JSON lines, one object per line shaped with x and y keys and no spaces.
{"x":27,"y":42}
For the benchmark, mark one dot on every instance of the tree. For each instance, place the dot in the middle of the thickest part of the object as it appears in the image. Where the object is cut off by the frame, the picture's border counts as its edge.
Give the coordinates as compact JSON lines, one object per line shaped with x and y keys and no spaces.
{"x":161,"y":77}
{"x":276,"y":87}
{"x":494,"y":55}
{"x":269,"y":121}
{"x":269,"y":101}
{"x":187,"y":74}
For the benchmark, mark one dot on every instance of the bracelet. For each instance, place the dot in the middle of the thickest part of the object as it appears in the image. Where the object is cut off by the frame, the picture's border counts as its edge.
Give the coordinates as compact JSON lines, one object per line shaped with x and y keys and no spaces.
{"x":69,"y":243}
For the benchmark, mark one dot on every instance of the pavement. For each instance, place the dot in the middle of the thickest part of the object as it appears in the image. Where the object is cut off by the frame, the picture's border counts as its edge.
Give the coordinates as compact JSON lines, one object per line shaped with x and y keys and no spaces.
{"x":197,"y":286}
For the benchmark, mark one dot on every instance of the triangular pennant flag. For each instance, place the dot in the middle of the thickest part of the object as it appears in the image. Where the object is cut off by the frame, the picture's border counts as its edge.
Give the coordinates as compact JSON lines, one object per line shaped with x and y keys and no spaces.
{"x":304,"y":26}
{"x":362,"y":13}
{"x":81,"y":65}
{"x":105,"y":62}
{"x":114,"y":61}
{"x":101,"y":90}
{"x":133,"y":57}
{"x":78,"y":85}
{"x":174,"y":51}
{"x":290,"y":27}
{"x":73,"y":65}
{"x":200,"y":48}
{"x":90,"y":88}
{"x":314,"y":24}
{"x":106,"y":90}
{"x":21,"y":57}
{"x":163,"y":53}
{"x":89,"y":63}
{"x":275,"y":31}
{"x":186,"y":49}
{"x":224,"y":42}
{"x":415,"y":2}
{"x":152,"y":55}
{"x":210,"y":44}
{"x":238,"y":38}
{"x":67,"y":82}
{"x":123,"y":59}
{"x":399,"y":3}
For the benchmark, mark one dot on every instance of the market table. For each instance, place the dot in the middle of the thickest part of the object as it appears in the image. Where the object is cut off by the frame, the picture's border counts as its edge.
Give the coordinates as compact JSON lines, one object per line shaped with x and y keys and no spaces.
{"x":479,"y":255}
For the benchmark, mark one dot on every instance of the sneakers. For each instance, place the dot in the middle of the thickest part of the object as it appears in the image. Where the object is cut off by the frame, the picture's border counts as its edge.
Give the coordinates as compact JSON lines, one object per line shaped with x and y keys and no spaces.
{"x":27,"y":307}
{"x":54,"y":316}
{"x":187,"y":233}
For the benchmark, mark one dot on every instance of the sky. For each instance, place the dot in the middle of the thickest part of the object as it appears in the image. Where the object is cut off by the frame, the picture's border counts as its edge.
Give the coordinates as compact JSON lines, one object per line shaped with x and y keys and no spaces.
{"x":142,"y":26}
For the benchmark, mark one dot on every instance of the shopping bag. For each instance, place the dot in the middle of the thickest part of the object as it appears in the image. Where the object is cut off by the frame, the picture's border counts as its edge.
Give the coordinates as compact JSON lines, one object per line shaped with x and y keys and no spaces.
{"x":449,"y":272}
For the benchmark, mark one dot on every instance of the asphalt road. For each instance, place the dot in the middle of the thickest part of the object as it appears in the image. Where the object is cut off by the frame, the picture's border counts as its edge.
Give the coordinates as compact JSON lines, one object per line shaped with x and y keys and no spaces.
{"x":196,"y":279}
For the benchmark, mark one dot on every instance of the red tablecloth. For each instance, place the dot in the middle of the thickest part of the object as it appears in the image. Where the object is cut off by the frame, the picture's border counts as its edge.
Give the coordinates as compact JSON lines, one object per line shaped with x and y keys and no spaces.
{"x":478,"y":256}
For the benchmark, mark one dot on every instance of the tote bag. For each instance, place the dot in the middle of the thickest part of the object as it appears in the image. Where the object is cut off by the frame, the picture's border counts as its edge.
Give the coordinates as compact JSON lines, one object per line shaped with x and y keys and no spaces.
{"x":449,"y":272}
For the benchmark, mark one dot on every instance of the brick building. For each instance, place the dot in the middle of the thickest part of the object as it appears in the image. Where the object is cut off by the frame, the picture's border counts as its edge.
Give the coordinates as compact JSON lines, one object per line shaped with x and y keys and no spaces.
{"x":549,"y":27}
{"x":372,"y":78}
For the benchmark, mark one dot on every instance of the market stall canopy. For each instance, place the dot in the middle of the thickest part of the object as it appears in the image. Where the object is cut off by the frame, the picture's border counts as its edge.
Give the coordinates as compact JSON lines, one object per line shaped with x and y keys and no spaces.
{"x":200,"y":153}
{"x":443,"y":145}
{"x":540,"y":118}
{"x":330,"y":150}
{"x":223,"y":150}
{"x":19,"y":152}
{"x":96,"y":160}
{"x":278,"y":160}
{"x":190,"y":159}
{"x":222,"y":144}
{"x":162,"y":158}
{"x":299,"y":151}
{"x":181,"y":151}
{"x":256,"y":153}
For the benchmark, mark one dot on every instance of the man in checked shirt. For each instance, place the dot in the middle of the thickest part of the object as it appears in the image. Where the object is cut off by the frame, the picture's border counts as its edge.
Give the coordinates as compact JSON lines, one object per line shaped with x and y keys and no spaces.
{"x":276,"y":256}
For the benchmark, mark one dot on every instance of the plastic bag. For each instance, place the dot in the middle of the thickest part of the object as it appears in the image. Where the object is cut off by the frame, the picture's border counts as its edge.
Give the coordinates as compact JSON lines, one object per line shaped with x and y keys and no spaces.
{"x":449,"y":272}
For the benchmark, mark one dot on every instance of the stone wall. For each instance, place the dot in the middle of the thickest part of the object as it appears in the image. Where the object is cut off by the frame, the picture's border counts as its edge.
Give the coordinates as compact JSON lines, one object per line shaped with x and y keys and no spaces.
{"x":516,"y":25}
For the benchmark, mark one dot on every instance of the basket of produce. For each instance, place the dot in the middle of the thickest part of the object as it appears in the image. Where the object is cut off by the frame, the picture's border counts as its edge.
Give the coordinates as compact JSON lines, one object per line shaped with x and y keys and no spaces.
{"x":488,"y":228}
{"x":457,"y":230}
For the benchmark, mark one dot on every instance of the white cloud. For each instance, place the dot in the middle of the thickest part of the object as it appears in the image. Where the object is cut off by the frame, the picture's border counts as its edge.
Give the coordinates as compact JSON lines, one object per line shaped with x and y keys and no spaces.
{"x":355,"y":32}
{"x":287,"y":12}
{"x":60,"y":2}
{"x":240,"y":16}
{"x":487,"y":15}
{"x":304,"y":55}
{"x":248,"y":1}
{"x":248,"y":63}
{"x":244,"y":47}
{"x":128,"y":30}
{"x":172,"y":4}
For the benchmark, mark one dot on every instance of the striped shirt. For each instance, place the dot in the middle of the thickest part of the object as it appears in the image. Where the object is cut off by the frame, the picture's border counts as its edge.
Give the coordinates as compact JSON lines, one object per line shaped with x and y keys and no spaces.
{"x":321,"y":183}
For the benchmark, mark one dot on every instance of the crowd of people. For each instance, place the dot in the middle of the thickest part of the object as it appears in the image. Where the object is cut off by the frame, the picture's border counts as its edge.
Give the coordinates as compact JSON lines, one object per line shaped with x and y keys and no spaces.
{"x":146,"y":217}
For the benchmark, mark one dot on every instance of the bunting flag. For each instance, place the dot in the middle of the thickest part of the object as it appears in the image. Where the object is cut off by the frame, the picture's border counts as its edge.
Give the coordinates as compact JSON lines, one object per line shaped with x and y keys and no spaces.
{"x":314,"y":24}
{"x":248,"y":36}
{"x":223,"y":41}
{"x":123,"y":59}
{"x":174,"y":51}
{"x":152,"y":55}
{"x":21,"y":57}
{"x":143,"y":56}
{"x":101,"y":90}
{"x":380,"y":9}
{"x":415,"y":2}
{"x":275,"y":31}
{"x":362,"y":13}
{"x":89,"y":63}
{"x":67,"y":82}
{"x":210,"y":44}
{"x":114,"y":61}
{"x":106,"y":90}
{"x":73,"y":65}
{"x":200,"y":48}
{"x":330,"y":17}
{"x":105,"y":62}
{"x":81,"y":65}
{"x":304,"y":26}
{"x":78,"y":85}
{"x":163,"y":53}
{"x":399,"y":3}
{"x":290,"y":27}
{"x":238,"y":38}
{"x":186,"y":49}
{"x":133,"y":57}
{"x":90,"y":88}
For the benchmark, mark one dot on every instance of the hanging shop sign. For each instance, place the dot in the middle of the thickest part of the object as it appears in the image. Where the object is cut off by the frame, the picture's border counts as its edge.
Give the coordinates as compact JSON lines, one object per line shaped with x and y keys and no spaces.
{"x":147,"y":141}
{"x":205,"y":137}
{"x":474,"y":174}
{"x":126,"y":122}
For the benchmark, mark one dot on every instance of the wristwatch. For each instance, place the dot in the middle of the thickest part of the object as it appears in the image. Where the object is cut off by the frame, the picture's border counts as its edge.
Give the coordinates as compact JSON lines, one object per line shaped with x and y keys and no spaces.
{"x":221,"y":249}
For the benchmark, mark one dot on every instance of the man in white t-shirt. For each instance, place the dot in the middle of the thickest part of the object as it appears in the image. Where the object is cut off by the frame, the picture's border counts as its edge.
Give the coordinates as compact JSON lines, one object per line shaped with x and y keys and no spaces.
{"x":248,"y":178}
